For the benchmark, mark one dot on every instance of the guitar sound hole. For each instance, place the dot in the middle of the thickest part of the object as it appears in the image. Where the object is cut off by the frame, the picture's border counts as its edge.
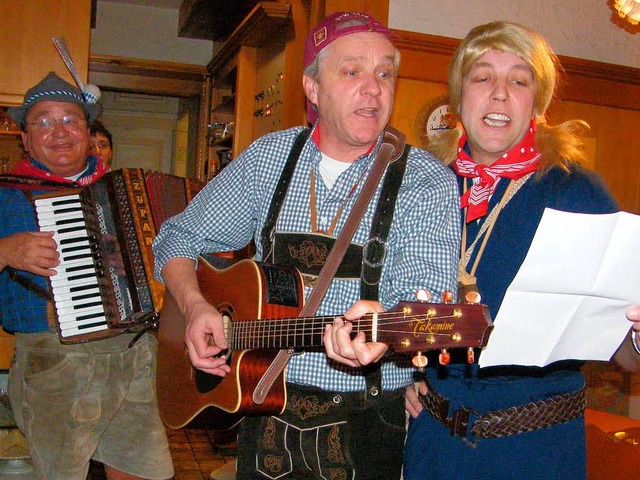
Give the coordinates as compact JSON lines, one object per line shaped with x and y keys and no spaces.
{"x":205,"y":382}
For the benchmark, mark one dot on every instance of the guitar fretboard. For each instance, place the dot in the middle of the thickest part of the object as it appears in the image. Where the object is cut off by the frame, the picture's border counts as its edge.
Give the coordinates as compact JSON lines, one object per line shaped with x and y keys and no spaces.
{"x":299,"y":332}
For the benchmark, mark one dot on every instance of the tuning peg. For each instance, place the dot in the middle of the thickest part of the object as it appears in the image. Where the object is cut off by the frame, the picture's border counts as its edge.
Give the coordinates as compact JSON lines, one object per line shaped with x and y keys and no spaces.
{"x":447,"y":297}
{"x":470,"y":355}
{"x":473,"y":297}
{"x":423,"y":295}
{"x":419,"y":361}
{"x":445,"y":357}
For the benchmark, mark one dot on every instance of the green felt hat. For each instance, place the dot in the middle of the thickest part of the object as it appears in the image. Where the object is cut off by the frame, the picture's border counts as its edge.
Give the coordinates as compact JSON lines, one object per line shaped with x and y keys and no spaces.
{"x":54,"y":89}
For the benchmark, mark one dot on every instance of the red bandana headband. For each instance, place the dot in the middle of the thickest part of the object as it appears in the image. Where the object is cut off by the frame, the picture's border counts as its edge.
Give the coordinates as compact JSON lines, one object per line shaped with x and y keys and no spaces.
{"x":516,"y":163}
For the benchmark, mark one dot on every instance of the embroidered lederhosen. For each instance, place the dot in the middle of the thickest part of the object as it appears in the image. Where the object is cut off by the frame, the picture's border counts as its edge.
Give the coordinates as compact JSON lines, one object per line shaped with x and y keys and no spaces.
{"x":323,"y":434}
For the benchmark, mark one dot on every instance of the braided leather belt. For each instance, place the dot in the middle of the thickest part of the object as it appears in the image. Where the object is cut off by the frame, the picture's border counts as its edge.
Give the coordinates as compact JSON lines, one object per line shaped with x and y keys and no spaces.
{"x":510,"y":421}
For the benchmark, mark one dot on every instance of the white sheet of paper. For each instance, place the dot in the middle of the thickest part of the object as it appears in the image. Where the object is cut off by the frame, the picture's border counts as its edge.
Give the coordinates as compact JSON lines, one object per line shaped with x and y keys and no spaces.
{"x":569,"y":298}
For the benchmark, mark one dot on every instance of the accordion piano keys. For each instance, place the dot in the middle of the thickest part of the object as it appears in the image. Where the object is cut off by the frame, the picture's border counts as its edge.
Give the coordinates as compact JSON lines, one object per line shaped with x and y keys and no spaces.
{"x":75,"y":286}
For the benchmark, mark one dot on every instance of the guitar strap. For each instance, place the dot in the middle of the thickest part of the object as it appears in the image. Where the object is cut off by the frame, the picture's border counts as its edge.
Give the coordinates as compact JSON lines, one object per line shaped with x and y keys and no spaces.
{"x":391,"y":149}
{"x":375,"y":250}
{"x":29,"y":284}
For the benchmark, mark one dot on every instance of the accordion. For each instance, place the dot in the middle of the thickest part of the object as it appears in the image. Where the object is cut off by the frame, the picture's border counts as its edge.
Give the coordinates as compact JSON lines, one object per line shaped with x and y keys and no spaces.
{"x":104,"y":284}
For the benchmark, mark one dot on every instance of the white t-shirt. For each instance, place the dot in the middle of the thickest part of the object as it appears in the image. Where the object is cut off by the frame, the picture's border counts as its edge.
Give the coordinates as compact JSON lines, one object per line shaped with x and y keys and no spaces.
{"x":77,"y":175}
{"x":330,"y":169}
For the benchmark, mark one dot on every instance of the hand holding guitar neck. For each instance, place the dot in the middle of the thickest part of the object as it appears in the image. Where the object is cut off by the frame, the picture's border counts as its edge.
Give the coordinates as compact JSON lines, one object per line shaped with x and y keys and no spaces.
{"x":349,"y":346}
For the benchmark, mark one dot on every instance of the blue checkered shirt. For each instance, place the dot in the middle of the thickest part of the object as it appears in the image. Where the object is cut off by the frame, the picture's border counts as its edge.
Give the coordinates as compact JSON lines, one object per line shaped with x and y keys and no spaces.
{"x":422,"y":249}
{"x":20,"y":309}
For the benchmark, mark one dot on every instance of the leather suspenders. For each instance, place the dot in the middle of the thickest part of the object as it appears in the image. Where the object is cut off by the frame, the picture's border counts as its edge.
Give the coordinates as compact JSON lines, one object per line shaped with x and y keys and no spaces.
{"x":374,"y":252}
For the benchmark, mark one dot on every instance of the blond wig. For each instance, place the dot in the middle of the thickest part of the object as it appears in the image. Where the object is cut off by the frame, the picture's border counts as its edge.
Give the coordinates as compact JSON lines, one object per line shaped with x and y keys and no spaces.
{"x":559,"y":145}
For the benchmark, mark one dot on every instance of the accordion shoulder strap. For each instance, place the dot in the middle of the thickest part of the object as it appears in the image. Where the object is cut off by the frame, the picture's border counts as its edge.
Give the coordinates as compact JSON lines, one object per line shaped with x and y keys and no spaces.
{"x":28,"y":284}
{"x":21,"y":182}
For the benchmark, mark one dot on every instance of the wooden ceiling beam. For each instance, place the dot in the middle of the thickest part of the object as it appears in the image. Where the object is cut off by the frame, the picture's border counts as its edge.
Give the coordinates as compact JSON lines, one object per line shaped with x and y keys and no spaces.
{"x":146,"y":76}
{"x":268,"y":22}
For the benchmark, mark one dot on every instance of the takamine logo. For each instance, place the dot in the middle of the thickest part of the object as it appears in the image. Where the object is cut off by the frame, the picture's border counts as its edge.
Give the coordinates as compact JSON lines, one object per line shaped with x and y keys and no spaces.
{"x":429,"y":326}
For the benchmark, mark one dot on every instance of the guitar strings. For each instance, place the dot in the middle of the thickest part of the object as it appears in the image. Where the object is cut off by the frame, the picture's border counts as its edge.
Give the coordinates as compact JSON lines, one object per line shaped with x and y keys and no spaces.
{"x":389,"y":318}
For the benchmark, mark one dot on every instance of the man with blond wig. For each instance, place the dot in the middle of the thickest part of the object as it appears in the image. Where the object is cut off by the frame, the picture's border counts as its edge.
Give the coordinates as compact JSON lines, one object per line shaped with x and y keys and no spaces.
{"x":507,"y":422}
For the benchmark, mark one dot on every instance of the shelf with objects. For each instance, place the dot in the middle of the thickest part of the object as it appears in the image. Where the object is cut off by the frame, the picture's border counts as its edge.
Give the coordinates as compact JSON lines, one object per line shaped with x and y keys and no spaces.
{"x":11,"y":151}
{"x":256,"y":80}
{"x":220,"y":130}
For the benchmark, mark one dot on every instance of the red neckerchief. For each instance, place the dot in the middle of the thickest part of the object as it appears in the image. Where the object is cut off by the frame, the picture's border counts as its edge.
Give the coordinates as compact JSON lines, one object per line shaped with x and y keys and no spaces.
{"x":517,"y":162}
{"x":26,"y":168}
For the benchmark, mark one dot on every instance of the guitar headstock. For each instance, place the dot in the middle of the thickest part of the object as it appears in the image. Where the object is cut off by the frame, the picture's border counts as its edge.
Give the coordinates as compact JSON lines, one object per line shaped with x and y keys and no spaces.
{"x":412,"y":327}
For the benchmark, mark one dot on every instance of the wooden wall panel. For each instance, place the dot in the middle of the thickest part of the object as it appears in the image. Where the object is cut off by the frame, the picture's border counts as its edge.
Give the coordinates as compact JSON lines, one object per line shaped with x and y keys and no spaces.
{"x":28,"y":53}
{"x":426,"y":57}
{"x":410,"y":97}
{"x":379,"y":9}
{"x":293,"y":108}
{"x":615,"y":134}
{"x":246,"y":88}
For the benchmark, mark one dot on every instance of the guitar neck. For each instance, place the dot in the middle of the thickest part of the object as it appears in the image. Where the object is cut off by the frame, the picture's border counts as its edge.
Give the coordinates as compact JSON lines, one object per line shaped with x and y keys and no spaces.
{"x":408,"y":327}
{"x":298,"y":332}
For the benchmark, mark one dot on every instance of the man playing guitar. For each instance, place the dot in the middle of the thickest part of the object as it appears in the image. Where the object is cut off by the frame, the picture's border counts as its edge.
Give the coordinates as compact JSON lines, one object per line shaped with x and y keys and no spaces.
{"x":351,"y":66}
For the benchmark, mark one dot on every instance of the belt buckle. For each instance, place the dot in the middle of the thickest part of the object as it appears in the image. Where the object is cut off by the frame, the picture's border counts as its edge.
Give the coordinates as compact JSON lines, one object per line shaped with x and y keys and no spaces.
{"x":459,"y":422}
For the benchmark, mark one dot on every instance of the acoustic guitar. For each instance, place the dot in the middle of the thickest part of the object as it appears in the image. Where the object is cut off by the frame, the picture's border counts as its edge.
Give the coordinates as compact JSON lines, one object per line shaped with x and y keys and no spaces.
{"x":259,"y":303}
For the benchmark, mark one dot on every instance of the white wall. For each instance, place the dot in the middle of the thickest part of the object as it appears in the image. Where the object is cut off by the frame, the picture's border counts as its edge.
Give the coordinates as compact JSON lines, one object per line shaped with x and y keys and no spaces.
{"x":145,"y":32}
{"x":575,"y":28}
{"x":143,"y":129}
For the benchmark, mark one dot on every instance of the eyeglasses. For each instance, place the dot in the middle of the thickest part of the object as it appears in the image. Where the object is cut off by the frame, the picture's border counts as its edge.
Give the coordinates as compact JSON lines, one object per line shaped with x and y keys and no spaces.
{"x":100,"y":145}
{"x":49,"y":124}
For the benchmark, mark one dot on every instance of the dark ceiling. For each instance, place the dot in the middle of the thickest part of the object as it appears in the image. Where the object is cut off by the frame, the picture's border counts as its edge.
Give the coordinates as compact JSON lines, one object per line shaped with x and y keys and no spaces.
{"x":205,"y":19}
{"x":212,"y":19}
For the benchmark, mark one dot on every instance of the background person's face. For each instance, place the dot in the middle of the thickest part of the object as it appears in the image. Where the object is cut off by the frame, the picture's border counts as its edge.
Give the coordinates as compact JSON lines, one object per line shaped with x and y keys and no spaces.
{"x":100,"y":147}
